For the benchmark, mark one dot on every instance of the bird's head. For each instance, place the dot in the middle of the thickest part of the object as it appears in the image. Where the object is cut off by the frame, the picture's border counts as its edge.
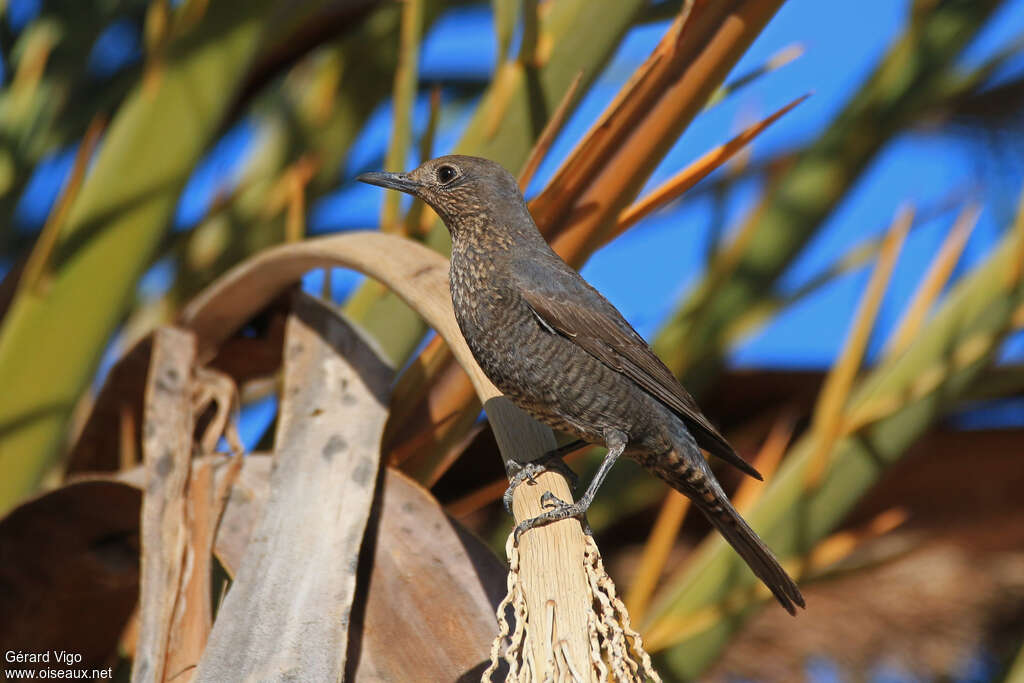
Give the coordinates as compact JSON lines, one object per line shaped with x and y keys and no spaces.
{"x":470,"y":194}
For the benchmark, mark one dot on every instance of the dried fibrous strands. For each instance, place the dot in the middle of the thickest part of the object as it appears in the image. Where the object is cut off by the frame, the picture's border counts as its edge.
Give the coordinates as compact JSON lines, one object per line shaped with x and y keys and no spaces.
{"x":615,"y":648}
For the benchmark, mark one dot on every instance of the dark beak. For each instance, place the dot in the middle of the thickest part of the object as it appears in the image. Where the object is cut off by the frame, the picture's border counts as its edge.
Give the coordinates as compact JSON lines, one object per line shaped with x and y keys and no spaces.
{"x":392,"y":181}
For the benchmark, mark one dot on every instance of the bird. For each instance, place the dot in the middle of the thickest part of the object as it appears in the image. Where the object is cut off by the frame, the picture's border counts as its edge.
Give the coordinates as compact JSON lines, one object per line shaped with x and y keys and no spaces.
{"x":564,"y":354}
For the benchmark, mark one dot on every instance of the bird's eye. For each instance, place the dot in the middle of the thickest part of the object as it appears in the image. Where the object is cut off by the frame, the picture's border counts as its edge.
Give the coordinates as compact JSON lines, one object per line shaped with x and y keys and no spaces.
{"x":446,"y":174}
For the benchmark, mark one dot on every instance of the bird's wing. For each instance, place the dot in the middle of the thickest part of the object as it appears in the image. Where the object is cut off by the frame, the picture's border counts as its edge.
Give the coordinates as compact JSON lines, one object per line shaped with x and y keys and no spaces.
{"x":603,"y":333}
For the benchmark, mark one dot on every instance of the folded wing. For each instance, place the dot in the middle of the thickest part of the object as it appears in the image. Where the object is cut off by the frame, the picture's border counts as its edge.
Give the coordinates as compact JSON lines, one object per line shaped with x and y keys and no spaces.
{"x":602,"y":332}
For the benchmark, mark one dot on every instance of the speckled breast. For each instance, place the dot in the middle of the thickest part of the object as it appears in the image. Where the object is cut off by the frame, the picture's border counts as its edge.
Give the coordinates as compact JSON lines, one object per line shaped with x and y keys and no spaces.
{"x":545,"y":374}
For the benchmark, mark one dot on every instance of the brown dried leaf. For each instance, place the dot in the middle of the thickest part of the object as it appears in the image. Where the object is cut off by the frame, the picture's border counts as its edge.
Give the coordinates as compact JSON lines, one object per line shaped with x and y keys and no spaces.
{"x":244,"y":508}
{"x":417,"y":273}
{"x":459,"y":583}
{"x":296,"y":583}
{"x":414,"y":272}
{"x":167,"y":452}
{"x":211,"y":480}
{"x":98,"y":446}
{"x":69,"y":569}
{"x":108,"y":441}
{"x":396,"y":621}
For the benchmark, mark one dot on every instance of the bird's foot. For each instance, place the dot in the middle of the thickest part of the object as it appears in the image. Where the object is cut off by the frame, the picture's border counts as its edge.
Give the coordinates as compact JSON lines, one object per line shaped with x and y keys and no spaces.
{"x":556,"y":510}
{"x":550,"y":500}
{"x":520,"y":472}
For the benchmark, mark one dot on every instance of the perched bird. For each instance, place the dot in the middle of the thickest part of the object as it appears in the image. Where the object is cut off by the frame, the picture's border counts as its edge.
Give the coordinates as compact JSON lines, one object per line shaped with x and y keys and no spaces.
{"x":564,"y":354}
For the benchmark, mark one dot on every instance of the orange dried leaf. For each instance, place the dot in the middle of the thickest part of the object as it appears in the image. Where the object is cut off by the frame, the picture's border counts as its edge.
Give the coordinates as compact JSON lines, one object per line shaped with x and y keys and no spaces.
{"x":935,"y":280}
{"x":609,"y":166}
{"x":34,"y":273}
{"x":406,"y":82}
{"x":695,"y":172}
{"x":656,"y":551}
{"x":503,"y":87}
{"x":547,"y":136}
{"x":768,"y":459}
{"x":411,"y":388}
{"x":442,"y":411}
{"x":828,"y":412}
{"x":776,"y":61}
{"x":477,"y":499}
{"x":839,"y":545}
{"x":414,"y":224}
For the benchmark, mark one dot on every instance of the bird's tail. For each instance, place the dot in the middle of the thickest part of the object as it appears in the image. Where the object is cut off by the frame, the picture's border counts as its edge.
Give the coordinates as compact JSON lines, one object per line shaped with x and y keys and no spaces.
{"x":699,"y":485}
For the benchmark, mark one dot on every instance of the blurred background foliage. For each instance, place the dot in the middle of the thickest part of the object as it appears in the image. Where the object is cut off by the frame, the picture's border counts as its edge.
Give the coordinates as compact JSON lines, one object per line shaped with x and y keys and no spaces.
{"x":844,"y":296}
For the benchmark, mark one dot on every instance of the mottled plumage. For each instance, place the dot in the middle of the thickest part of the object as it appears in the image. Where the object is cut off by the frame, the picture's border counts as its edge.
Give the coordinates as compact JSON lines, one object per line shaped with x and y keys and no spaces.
{"x":563,"y":353}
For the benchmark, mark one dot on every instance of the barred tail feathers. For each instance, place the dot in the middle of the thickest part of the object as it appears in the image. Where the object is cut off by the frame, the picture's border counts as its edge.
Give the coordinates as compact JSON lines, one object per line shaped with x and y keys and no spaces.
{"x":698,"y":484}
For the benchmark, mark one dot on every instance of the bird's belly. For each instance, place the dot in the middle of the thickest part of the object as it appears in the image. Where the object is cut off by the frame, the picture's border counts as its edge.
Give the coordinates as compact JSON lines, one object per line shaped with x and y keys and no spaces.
{"x":559,"y":383}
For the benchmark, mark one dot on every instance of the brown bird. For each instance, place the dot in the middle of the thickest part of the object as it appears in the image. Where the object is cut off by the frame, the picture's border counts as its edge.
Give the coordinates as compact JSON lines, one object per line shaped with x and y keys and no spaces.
{"x":564,"y":354}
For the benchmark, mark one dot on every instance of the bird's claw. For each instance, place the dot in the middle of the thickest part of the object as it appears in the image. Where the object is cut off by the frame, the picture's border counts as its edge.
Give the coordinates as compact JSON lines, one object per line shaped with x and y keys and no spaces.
{"x":550,"y":500}
{"x":558,"y":511}
{"x":520,"y":472}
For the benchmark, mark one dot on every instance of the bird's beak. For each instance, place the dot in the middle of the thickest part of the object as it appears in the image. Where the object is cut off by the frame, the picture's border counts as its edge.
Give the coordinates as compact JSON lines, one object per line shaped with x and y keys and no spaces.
{"x":392,"y":181}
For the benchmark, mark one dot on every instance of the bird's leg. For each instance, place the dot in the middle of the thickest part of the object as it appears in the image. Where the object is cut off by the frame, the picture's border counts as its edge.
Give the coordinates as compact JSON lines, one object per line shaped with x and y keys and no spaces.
{"x":616,"y":442}
{"x":552,"y":460}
